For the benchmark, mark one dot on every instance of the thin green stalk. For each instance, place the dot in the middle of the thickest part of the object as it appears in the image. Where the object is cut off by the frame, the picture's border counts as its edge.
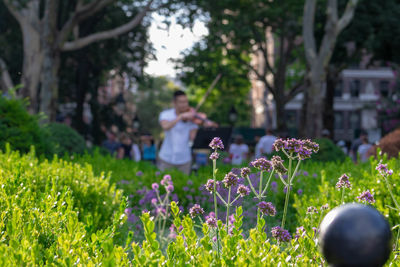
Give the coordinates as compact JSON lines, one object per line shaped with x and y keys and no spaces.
{"x":286,"y":205}
{"x":269,"y":180}
{"x":397,"y":239}
{"x":235,"y":199}
{"x":290,"y":166}
{"x":259,"y":195}
{"x":342,"y":200}
{"x":227,"y":209}
{"x":295,"y":171}
{"x":251,"y":185}
{"x":391,"y":194}
{"x":222,"y":199}
{"x":215,"y":202}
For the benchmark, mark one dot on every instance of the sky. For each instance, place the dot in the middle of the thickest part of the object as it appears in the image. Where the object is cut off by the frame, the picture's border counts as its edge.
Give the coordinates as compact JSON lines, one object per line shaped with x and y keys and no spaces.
{"x":169,"y":44}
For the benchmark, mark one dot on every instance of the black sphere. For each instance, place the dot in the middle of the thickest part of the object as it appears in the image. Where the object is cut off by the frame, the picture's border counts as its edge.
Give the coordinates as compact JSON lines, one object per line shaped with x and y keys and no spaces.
{"x":355,"y":235}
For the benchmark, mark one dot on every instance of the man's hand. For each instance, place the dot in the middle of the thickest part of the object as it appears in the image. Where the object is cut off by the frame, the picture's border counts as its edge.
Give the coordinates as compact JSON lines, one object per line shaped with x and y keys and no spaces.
{"x":186,"y":115}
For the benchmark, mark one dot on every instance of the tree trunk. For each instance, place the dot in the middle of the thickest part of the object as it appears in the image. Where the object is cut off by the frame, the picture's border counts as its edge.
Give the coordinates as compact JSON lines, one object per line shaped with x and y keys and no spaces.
{"x":280,"y":116}
{"x":332,"y":78}
{"x":32,"y":67}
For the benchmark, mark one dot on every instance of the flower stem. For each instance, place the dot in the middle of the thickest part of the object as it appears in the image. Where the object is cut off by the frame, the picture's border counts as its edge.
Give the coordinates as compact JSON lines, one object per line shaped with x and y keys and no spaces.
{"x":227,"y":209}
{"x":222,"y":199}
{"x":269,"y":180}
{"x":233,"y":201}
{"x":251,"y":185}
{"x":215,"y":202}
{"x":342,"y":200}
{"x":391,"y":194}
{"x":259,"y":195}
{"x":286,"y":205}
{"x":397,"y":240}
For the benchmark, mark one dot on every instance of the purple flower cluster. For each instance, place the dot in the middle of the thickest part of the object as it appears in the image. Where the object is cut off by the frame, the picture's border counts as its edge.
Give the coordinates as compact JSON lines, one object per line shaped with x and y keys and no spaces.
{"x":210,"y":185}
{"x":244,"y":172}
{"x":155,"y":186}
{"x":211,"y":221}
{"x":243,"y":190}
{"x":343,"y":182}
{"x":311,"y":210}
{"x":262,"y":164}
{"x":277,"y":164}
{"x":304,"y":148}
{"x":139,"y":173}
{"x":196,"y":210}
{"x":366,"y":196}
{"x":280,"y":234}
{"x":167,"y":183}
{"x":214,"y":156}
{"x":325,"y":207}
{"x":383,"y":170}
{"x":230,"y":179}
{"x":267,"y":208}
{"x":300,"y":232}
{"x":216,"y":143}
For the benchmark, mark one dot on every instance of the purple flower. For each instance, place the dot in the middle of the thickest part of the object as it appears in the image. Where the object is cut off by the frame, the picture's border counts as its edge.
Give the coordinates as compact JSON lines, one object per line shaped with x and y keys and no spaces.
{"x":139,"y":173}
{"x":185,"y":188}
{"x":305,"y":173}
{"x":343,"y":182}
{"x":243,"y":190}
{"x":210,"y":185}
{"x":230,"y":179}
{"x":157,"y":173}
{"x":366,"y":196}
{"x":325,"y":207}
{"x":299,"y":192}
{"x":211,"y":222}
{"x":277,"y":164}
{"x":262,"y":164}
{"x":155,"y":186}
{"x":169,"y":188}
{"x":278,"y":144}
{"x":216,"y":143}
{"x":196,"y":210}
{"x":311,"y":210}
{"x":383,"y":170}
{"x":315,"y":175}
{"x":244,"y":171}
{"x":154,"y":201}
{"x":128,"y":211}
{"x":267,"y":208}
{"x":166,"y":180}
{"x":190,"y":182}
{"x":300,"y":232}
{"x":280,"y":234}
{"x":214,"y":155}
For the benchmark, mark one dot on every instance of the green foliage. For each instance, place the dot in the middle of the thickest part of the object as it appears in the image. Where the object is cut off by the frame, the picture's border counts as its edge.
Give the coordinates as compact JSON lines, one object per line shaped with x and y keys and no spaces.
{"x":20,"y":129}
{"x":64,"y":139}
{"x":57,"y":213}
{"x":328,"y":151}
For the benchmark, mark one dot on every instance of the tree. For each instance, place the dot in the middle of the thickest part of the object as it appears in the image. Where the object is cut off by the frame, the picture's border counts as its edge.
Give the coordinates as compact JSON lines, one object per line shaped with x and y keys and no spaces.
{"x":51,"y":27}
{"x":318,"y":59}
{"x":200,"y":66}
{"x":268,"y":30}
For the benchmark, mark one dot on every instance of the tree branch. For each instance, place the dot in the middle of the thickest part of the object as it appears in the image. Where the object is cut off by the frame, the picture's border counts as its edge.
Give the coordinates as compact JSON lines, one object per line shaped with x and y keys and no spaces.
{"x":261,"y":78}
{"x":263,"y":49}
{"x":297,"y":88}
{"x":13,"y":10}
{"x":347,"y":15}
{"x":308,"y":31}
{"x":82,"y":42}
{"x":81,"y":13}
{"x":5,"y":75}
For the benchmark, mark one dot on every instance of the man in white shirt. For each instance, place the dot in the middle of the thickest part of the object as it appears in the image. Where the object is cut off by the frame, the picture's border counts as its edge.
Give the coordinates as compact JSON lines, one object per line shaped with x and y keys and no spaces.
{"x":266,"y":142}
{"x":238,"y":151}
{"x":180,"y":132}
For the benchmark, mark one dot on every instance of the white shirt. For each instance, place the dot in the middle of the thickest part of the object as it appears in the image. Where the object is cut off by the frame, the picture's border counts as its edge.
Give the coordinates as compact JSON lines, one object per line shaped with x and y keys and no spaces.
{"x":362,"y":150}
{"x":135,"y":153}
{"x":266,"y":143}
{"x":238,"y":152}
{"x":175,"y":148}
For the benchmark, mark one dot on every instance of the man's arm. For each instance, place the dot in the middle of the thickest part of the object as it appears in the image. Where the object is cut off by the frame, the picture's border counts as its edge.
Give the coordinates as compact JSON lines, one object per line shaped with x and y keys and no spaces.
{"x":192,"y":135}
{"x":166,"y":125}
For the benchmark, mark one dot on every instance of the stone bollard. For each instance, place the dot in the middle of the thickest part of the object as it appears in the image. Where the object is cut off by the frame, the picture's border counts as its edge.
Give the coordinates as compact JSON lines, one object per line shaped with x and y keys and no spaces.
{"x":355,"y":235}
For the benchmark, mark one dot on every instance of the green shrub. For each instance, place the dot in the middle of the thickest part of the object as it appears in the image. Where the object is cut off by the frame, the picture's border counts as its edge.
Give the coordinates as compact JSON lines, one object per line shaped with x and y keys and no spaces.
{"x":20,"y":129}
{"x":328,"y":151}
{"x":64,"y":139}
{"x":57,"y":213}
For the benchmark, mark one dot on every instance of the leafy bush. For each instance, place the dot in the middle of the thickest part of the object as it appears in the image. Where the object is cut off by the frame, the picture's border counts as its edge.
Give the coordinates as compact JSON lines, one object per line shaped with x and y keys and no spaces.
{"x":328,"y":151}
{"x":57,"y":213}
{"x":64,"y":139}
{"x":20,"y":129}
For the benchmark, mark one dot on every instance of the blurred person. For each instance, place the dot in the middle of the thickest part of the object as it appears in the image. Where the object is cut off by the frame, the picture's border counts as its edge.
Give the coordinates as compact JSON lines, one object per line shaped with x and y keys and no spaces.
{"x":356,"y":143}
{"x":149,"y":149}
{"x":128,"y":149}
{"x":342,"y":146}
{"x":266,"y":142}
{"x":180,"y":133}
{"x":257,"y":148}
{"x":362,"y":150}
{"x":238,"y":151}
{"x":111,"y":143}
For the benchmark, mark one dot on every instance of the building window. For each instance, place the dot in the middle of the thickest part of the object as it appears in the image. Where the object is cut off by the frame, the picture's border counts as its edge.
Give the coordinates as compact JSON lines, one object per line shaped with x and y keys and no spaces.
{"x":339,"y":123}
{"x":355,"y":86}
{"x":339,"y":89}
{"x":384,"y":88}
{"x":355,"y":120}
